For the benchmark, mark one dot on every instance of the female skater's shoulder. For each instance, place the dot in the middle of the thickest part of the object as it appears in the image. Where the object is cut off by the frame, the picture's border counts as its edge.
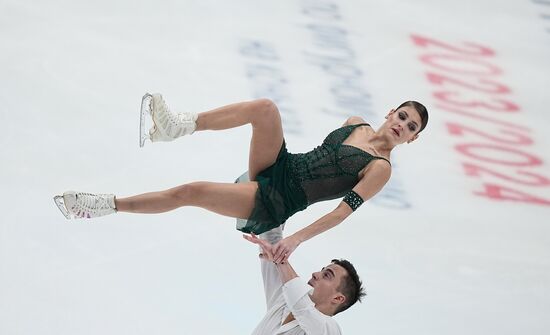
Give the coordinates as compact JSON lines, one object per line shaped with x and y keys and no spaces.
{"x":353,"y":120}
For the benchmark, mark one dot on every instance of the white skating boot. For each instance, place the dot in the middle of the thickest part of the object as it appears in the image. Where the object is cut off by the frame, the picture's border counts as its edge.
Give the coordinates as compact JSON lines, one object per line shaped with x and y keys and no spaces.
{"x":79,"y":205}
{"x":167,"y":126}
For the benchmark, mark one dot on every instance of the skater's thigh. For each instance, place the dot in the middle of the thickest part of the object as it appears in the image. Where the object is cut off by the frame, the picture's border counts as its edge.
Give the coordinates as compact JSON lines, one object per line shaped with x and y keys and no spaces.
{"x":267,"y":138}
{"x":230,"y":199}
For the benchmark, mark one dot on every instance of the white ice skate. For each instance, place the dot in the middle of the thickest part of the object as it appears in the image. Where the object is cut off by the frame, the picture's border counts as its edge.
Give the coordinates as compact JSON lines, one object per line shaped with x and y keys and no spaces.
{"x":78,"y":205}
{"x":167,"y":126}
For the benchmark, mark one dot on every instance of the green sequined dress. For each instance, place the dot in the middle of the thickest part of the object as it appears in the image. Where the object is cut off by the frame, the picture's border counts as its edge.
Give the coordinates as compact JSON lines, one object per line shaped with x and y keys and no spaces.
{"x":296,"y":181}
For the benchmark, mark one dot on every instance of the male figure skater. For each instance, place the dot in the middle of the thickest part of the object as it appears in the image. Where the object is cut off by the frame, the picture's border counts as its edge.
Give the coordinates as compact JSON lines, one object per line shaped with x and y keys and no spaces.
{"x":296,"y":308}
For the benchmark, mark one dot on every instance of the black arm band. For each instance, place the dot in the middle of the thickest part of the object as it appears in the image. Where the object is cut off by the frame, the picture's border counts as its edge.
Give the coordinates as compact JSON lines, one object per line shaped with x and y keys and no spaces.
{"x":353,"y":199}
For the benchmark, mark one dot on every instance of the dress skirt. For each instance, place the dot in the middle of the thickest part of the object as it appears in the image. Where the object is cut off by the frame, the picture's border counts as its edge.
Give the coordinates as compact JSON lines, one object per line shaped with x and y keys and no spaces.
{"x":278,"y":197}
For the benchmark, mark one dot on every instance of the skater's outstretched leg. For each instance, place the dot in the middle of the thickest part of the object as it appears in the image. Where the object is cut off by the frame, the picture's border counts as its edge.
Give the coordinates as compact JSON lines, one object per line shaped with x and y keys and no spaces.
{"x":229,"y":199}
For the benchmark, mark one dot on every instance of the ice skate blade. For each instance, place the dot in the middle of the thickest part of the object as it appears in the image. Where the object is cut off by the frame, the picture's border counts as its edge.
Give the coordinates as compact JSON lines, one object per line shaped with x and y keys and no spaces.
{"x":144,"y":110}
{"x":58,"y":199}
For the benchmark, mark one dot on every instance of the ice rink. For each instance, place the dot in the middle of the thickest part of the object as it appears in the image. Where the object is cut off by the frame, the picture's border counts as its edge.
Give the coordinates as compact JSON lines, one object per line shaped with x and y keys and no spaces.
{"x":457,"y":243}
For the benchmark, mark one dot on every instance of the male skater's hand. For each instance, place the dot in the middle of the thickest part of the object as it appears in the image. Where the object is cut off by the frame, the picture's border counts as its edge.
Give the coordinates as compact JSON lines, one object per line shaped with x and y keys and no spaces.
{"x":267,"y":252}
{"x":282,"y":250}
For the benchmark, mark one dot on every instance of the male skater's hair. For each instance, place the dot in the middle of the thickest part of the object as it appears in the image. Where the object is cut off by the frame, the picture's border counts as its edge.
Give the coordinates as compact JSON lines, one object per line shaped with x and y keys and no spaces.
{"x":350,"y":285}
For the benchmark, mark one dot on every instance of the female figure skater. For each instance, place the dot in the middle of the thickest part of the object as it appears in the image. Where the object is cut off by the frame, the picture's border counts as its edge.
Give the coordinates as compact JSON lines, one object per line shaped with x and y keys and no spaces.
{"x":352,"y":162}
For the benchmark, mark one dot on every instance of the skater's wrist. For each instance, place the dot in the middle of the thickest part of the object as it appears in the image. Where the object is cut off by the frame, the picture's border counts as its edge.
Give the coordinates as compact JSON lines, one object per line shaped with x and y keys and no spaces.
{"x":299,"y":237}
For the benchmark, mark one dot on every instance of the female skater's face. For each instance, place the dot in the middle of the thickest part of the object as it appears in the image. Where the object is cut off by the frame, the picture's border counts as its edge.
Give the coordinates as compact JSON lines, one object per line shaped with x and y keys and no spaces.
{"x":402,"y":125}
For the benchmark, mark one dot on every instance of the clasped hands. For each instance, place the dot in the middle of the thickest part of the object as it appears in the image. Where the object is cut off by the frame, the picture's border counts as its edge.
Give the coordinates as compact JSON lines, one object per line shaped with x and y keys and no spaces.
{"x":277,"y":253}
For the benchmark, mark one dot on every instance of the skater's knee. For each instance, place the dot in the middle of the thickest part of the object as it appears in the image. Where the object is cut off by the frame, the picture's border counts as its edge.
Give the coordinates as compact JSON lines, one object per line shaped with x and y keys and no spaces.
{"x":187,"y":192}
{"x":179,"y":193}
{"x":265,"y":110}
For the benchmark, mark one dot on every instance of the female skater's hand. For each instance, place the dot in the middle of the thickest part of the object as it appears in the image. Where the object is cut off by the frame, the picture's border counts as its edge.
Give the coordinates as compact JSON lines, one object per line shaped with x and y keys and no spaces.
{"x":267,"y":252}
{"x":283,"y":249}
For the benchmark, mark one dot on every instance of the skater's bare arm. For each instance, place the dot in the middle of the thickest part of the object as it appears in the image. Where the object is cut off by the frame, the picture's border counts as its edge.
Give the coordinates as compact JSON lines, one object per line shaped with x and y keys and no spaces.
{"x":370,"y":184}
{"x":283,"y":249}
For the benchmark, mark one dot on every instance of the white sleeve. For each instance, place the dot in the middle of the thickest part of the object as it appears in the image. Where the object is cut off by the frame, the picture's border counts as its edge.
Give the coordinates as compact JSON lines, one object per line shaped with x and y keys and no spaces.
{"x":296,"y":294}
{"x":270,"y":274}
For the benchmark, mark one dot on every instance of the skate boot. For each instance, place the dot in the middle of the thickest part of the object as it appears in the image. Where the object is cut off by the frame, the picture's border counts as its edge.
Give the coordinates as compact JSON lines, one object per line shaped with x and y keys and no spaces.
{"x":79,"y":205}
{"x":167,"y":126}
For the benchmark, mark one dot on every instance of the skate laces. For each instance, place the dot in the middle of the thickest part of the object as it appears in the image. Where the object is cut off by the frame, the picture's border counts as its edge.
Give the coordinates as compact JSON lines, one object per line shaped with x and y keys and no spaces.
{"x":88,"y":203}
{"x":177,"y":118}
{"x":183,"y":117}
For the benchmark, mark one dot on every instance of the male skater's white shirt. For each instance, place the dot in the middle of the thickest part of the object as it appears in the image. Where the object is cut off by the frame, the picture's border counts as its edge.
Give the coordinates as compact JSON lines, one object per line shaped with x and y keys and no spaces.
{"x":292,"y":297}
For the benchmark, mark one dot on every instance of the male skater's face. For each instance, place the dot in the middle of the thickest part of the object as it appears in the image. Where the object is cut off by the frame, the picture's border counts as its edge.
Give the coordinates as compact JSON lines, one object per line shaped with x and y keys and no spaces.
{"x":325,"y":284}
